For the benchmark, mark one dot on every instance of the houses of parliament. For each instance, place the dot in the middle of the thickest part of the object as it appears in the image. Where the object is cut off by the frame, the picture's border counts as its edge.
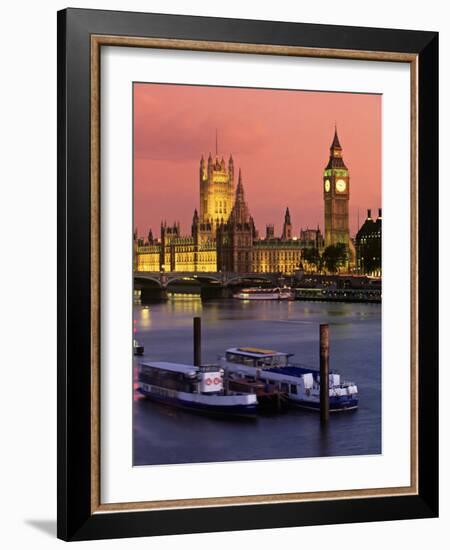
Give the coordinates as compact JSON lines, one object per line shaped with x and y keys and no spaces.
{"x":223,"y":233}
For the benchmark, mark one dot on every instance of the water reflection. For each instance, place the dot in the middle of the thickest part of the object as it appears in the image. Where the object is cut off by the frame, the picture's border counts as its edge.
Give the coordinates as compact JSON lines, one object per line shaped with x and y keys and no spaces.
{"x":145,"y":317}
{"x":164,"y":435}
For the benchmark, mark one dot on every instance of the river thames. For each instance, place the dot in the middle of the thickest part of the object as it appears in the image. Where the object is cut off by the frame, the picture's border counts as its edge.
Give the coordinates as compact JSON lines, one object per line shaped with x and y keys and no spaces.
{"x":165,"y":435}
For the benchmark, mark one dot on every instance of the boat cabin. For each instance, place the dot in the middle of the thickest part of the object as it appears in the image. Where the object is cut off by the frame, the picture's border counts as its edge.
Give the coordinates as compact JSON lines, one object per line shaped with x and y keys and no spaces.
{"x":257,"y":357}
{"x":180,"y":377}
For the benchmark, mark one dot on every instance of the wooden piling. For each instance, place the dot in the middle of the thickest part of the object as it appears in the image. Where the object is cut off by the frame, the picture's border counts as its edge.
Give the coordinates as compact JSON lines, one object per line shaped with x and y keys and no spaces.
{"x":324,"y":373}
{"x":197,"y":341}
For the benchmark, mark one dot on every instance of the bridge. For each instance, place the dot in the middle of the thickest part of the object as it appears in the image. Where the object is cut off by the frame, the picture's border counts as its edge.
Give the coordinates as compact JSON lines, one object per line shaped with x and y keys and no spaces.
{"x":219,"y":279}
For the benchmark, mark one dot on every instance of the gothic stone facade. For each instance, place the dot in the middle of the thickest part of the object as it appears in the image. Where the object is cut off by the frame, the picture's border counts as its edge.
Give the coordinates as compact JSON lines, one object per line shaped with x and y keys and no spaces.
{"x":223,"y":236}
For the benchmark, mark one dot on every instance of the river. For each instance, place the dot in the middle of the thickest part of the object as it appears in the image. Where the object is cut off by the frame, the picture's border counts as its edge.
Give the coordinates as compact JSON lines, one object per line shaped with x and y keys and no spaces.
{"x":165,"y":435}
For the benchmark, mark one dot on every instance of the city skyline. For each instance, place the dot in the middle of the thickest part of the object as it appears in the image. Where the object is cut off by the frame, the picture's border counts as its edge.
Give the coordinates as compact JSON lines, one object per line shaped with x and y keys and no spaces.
{"x":282,"y":156}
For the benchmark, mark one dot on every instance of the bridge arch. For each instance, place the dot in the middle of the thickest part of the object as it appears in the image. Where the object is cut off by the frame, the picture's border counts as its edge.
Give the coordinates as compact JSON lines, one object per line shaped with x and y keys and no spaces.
{"x":145,"y":279}
{"x":250,"y":276}
{"x":200,"y":279}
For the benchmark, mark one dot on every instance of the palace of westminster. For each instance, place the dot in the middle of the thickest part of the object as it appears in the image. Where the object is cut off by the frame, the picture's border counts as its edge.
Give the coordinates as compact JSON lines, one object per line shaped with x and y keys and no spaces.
{"x":224,"y":236}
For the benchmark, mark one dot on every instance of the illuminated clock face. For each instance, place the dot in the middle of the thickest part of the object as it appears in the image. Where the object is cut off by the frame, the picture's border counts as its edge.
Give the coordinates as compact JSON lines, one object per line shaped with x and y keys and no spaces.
{"x":327,"y":185}
{"x":340,"y":186}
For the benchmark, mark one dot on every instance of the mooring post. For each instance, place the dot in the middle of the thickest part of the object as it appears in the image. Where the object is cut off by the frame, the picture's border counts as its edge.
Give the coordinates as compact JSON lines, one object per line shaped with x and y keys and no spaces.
{"x":197,"y":341}
{"x":324,"y":373}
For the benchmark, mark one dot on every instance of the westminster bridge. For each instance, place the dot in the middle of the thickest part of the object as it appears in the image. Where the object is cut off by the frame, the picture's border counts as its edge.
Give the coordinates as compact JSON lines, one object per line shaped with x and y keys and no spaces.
{"x":210,"y":284}
{"x":213,"y":278}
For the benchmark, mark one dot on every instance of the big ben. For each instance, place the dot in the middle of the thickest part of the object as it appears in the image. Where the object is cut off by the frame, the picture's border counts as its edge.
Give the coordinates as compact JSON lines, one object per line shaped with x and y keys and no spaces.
{"x":336,"y":194}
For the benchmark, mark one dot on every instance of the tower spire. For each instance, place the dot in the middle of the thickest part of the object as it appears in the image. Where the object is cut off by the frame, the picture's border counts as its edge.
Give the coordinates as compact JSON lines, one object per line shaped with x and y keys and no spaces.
{"x":287,"y":216}
{"x":336,"y":160}
{"x":240,"y":212}
{"x":287,"y":226}
{"x":336,"y":144}
{"x":240,"y":187}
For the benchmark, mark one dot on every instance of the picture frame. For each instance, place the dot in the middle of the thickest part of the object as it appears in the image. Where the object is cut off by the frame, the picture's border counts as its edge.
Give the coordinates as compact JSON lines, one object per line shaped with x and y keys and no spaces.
{"x":81,"y":36}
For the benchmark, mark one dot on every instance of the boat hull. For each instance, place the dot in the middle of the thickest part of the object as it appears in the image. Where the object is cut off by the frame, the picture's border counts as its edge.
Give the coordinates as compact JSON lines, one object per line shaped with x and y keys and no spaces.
{"x":336,"y":404}
{"x":249,"y":297}
{"x":275,"y":297}
{"x":221,"y":407}
{"x":260,"y":294}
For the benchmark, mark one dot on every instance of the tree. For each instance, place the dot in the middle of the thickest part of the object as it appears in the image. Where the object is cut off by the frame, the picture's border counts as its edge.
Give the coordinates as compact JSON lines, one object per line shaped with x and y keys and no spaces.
{"x":335,"y":256}
{"x":311,"y":256}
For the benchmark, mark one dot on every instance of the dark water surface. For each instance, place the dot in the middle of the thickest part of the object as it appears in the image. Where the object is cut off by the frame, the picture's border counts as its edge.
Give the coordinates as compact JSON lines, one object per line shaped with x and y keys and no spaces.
{"x":165,"y":435}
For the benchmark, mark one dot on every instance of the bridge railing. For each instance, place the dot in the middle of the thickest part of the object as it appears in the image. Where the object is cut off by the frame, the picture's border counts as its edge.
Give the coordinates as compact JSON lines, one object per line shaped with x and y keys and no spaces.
{"x":224,"y":277}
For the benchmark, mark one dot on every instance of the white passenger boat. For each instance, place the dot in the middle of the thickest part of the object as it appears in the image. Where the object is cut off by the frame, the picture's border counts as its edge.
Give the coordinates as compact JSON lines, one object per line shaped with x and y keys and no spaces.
{"x":195,"y":388}
{"x":300,"y":384}
{"x":253,"y":293}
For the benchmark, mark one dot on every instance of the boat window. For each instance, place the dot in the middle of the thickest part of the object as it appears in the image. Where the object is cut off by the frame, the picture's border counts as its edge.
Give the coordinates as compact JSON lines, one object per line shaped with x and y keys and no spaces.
{"x":294,"y":389}
{"x":280,"y":360}
{"x":284,"y":387}
{"x":264,"y":362}
{"x":237,"y":358}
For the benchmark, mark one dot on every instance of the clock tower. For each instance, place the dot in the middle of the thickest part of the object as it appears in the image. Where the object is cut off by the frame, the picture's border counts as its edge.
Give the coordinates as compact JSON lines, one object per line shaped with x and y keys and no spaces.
{"x":336,"y":194}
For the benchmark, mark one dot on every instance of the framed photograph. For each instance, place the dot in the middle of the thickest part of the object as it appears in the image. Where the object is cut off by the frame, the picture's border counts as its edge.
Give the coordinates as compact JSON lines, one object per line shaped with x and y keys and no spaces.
{"x":248,"y":295}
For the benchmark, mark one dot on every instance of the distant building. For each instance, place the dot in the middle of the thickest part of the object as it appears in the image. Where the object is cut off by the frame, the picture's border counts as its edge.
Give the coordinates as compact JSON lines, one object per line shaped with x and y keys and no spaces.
{"x":223,"y":235}
{"x":312,"y":239}
{"x":368,"y":246}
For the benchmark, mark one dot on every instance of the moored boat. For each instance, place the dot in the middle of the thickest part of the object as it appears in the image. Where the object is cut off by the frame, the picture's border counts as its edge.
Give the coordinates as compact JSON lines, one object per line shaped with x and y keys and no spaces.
{"x":254,"y":293}
{"x":138,"y":349}
{"x":300,"y":384}
{"x":196,"y":388}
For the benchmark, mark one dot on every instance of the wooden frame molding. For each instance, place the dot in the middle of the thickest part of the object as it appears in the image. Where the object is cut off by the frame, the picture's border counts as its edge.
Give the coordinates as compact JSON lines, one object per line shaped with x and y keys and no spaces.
{"x":96,"y":42}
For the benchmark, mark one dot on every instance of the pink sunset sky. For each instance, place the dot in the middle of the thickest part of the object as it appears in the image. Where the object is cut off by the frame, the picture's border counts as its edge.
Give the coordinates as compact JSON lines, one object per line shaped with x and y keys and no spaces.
{"x":279,"y":138}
